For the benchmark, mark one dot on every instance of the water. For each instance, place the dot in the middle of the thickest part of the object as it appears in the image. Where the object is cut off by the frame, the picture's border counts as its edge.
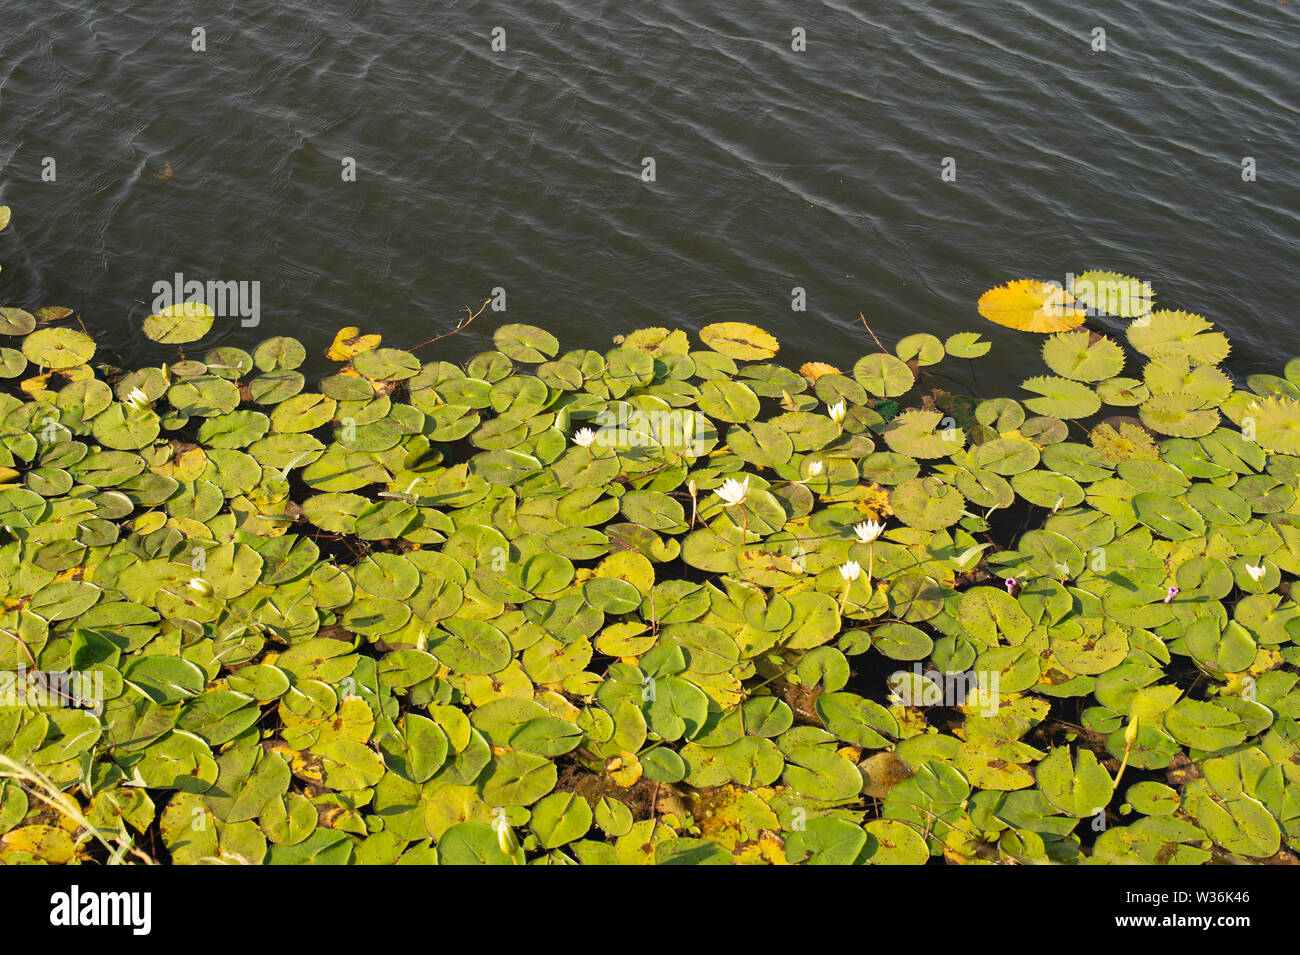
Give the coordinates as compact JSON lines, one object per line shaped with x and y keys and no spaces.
{"x":775,"y":169}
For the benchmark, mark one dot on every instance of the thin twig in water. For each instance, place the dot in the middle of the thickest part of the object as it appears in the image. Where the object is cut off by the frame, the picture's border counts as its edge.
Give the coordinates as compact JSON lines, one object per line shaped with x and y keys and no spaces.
{"x":873,"y":334}
{"x":461,"y":325}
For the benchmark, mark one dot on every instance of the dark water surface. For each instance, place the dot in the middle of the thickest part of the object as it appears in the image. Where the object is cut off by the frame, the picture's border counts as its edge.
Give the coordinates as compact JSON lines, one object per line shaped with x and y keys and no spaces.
{"x":775,"y":168}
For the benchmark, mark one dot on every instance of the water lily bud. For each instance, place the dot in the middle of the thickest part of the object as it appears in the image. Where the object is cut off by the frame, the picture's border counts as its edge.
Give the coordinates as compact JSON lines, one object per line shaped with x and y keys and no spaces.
{"x":201,"y":586}
{"x":507,"y":840}
{"x":1131,"y":734}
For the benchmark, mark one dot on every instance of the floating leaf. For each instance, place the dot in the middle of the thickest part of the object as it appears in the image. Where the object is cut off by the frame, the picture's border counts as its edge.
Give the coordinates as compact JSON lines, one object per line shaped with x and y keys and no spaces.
{"x":1032,"y":306}
{"x":525,"y":343}
{"x":813,"y":370}
{"x":386,"y":364}
{"x":1170,"y":334}
{"x":1062,"y":398}
{"x":58,"y":348}
{"x":739,"y":341}
{"x":1120,"y":444}
{"x":14,"y":321}
{"x":967,"y":345}
{"x":1178,"y":414}
{"x":925,"y":349}
{"x":179,"y":323}
{"x":883,"y":375}
{"x":1112,"y":293}
{"x":1077,"y":786}
{"x":924,"y":434}
{"x":1073,"y":355}
{"x":349,"y":342}
{"x":1275,"y":423}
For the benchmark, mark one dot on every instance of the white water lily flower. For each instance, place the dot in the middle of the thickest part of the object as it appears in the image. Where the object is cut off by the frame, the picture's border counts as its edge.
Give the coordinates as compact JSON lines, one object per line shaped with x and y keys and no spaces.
{"x":201,"y":585}
{"x":1256,"y":573}
{"x":137,"y":399}
{"x":838,"y":411}
{"x":733,"y":491}
{"x":584,"y":438}
{"x":815,"y":468}
{"x":868,"y":531}
{"x":851,"y":571}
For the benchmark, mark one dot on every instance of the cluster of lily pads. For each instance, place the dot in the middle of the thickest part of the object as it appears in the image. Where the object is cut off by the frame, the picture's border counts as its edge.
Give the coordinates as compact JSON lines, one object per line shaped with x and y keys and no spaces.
{"x":647,"y":605}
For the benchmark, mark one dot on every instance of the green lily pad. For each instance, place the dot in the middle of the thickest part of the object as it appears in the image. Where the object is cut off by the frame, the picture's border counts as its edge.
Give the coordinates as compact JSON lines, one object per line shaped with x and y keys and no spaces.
{"x":525,"y":343}
{"x":1166,"y":334}
{"x":179,"y":323}
{"x":1077,"y":786}
{"x":1062,"y":398}
{"x":1072,"y":355}
{"x":883,"y":375}
{"x":386,"y":364}
{"x":1112,"y":293}
{"x":966,"y":345}
{"x":58,"y":348}
{"x":15,"y":321}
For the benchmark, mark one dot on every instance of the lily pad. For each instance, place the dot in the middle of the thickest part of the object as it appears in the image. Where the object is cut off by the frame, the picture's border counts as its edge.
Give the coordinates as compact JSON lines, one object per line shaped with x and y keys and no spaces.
{"x":179,"y":323}
{"x":58,"y":348}
{"x":739,"y":341}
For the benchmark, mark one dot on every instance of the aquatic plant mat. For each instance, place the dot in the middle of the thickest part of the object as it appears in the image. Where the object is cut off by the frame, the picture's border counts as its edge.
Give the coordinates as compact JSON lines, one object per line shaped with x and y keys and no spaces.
{"x":670,"y":603}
